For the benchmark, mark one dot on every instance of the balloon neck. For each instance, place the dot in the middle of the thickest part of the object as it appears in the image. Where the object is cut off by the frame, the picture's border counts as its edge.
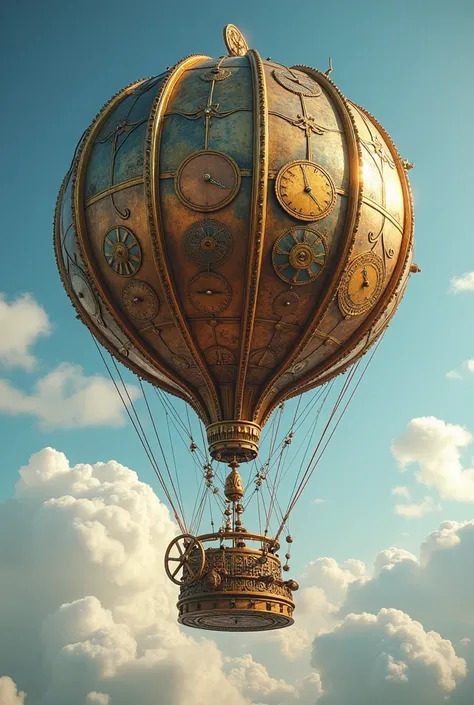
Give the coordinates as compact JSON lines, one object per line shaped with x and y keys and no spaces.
{"x":233,"y":440}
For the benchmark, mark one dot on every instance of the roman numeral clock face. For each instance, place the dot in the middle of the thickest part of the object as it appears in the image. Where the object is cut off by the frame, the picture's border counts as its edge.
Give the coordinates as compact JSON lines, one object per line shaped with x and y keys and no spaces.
{"x":305,"y":190}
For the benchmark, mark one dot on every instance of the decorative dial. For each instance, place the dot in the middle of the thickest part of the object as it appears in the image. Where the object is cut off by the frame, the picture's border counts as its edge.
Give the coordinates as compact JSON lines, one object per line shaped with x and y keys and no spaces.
{"x":208,"y":243}
{"x":139,"y":300}
{"x":361,"y":284}
{"x":286,"y":303}
{"x":297,"y":82}
{"x":122,"y":251}
{"x":298,"y":256}
{"x":219,"y":355}
{"x":235,"y":41}
{"x":84,"y":292}
{"x":210,"y":292}
{"x":305,"y":190}
{"x":207,"y":180}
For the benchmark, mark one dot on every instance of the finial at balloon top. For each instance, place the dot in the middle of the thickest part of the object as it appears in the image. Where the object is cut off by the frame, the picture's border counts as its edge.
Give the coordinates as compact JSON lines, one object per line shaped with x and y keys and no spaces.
{"x":235,"y":41}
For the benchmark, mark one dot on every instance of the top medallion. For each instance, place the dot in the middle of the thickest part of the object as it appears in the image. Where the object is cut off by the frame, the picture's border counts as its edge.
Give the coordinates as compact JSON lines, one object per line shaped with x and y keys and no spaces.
{"x":235,"y":41}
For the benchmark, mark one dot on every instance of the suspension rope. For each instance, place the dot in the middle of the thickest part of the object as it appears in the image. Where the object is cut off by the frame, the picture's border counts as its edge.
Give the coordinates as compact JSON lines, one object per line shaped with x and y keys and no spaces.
{"x":315,"y":458}
{"x":142,"y":440}
{"x":158,"y":440}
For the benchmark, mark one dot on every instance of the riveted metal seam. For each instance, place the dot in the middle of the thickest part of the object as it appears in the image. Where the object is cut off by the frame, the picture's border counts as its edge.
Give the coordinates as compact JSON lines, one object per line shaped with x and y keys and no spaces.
{"x":257,"y":221}
{"x":152,"y":188}
{"x":395,"y":286}
{"x":95,"y":330}
{"x":265,"y":407}
{"x":392,"y":289}
{"x":97,"y":285}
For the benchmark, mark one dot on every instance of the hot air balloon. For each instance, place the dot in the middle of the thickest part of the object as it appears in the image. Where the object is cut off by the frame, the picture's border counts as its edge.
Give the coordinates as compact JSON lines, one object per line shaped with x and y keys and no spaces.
{"x":236,"y":233}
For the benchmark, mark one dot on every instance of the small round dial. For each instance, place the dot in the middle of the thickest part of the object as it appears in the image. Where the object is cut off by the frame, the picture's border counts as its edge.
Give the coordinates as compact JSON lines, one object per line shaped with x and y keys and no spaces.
{"x":84,"y":292}
{"x":207,"y":180}
{"x":305,"y":190}
{"x":139,"y":300}
{"x":298,"y":256}
{"x":297,"y":82}
{"x":219,"y":355}
{"x":210,"y":292}
{"x":286,"y":303}
{"x":361,"y":284}
{"x":208,"y":242}
{"x":122,"y":251}
{"x":235,"y":41}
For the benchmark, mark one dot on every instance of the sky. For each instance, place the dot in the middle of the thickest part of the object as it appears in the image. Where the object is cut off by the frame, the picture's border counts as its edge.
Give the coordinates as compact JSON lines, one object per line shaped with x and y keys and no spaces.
{"x":384,"y":536}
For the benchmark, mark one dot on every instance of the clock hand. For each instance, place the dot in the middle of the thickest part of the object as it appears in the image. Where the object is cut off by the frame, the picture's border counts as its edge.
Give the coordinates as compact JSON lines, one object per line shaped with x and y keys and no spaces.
{"x":307,"y":187}
{"x":310,"y":193}
{"x":208,"y":177}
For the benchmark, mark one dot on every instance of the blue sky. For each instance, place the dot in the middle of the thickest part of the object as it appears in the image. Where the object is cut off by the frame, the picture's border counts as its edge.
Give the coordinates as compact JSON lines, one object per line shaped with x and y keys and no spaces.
{"x":409,"y":63}
{"x":409,"y":67}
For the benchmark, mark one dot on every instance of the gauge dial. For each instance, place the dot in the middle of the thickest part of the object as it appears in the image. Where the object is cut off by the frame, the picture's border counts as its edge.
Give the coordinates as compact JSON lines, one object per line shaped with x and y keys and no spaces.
{"x":361,"y":284}
{"x":286,"y":303}
{"x":207,"y":180}
{"x":299,"y":256}
{"x":210,"y":292}
{"x":208,"y":243}
{"x":297,"y":82}
{"x":122,"y":251}
{"x":139,"y":300}
{"x":84,"y":292}
{"x":219,"y":355}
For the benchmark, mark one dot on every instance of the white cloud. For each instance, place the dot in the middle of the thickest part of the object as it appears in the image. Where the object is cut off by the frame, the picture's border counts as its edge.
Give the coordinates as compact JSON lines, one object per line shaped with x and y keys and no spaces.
{"x":454,"y":374}
{"x":95,"y":698}
{"x":416,"y":510}
{"x":435,"y":446}
{"x":22,"y":322}
{"x":81,"y":552}
{"x":81,"y":560}
{"x":318,"y":500}
{"x":401,"y":491}
{"x":386,"y":658}
{"x":67,"y":398}
{"x":390,"y":557}
{"x":9,"y":694}
{"x":463,"y":283}
{"x":459,"y":374}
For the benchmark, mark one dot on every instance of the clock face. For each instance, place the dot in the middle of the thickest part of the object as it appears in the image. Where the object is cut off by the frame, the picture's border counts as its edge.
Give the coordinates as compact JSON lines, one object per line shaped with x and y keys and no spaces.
{"x":207,"y":180}
{"x":297,"y":82}
{"x":210,"y":292}
{"x":139,"y":300}
{"x":208,"y":242}
{"x":361,"y":284}
{"x":305,"y":190}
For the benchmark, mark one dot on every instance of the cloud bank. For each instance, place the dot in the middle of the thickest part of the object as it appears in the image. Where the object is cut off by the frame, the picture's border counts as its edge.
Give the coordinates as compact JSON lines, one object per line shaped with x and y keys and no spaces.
{"x":22,"y":322}
{"x":87,"y":616}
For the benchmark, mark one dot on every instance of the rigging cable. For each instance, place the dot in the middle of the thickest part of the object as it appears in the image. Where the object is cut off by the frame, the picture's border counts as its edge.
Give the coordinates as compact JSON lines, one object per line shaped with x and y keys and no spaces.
{"x":148,"y":450}
{"x":312,"y":465}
